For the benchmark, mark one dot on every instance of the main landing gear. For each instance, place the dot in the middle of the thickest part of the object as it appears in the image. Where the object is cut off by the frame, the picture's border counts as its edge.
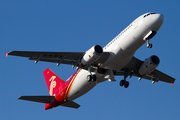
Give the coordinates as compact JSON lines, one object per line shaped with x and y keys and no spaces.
{"x":91,"y":78}
{"x":124,"y":82}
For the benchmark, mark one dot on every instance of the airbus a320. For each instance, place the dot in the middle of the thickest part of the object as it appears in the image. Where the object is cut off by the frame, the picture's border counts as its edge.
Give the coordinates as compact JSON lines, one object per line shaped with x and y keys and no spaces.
{"x":100,"y":64}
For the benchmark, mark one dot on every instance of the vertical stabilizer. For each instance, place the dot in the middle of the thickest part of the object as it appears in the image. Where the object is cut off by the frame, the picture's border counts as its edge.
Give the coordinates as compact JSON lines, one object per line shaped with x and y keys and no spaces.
{"x":52,"y":80}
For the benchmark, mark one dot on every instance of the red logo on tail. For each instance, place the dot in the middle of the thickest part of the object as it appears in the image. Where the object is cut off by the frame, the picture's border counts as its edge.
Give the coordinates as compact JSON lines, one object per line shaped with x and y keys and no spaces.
{"x":52,"y":80}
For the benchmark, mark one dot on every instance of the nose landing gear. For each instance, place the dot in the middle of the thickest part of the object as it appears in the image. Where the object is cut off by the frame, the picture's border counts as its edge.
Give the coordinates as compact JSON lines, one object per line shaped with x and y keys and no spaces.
{"x":149,"y":45}
{"x":150,"y":35}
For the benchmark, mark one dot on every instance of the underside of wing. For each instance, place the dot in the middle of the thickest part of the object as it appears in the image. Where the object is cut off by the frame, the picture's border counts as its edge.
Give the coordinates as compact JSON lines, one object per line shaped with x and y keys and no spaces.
{"x":55,"y":57}
{"x":71,"y":58}
{"x":154,"y":76}
{"x":157,"y":75}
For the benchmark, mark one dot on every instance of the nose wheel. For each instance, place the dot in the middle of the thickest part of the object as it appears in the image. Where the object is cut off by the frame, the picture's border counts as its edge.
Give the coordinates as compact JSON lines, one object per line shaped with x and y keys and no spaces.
{"x":150,"y":35}
{"x":149,"y":45}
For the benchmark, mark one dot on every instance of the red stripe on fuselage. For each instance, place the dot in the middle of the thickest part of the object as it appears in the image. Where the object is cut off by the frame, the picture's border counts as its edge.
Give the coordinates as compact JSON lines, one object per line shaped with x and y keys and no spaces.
{"x":72,"y":79}
{"x":63,"y":92}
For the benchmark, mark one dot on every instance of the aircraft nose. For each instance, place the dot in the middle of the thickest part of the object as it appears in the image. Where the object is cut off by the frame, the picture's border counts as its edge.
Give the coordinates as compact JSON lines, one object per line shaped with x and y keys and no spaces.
{"x":158,"y":20}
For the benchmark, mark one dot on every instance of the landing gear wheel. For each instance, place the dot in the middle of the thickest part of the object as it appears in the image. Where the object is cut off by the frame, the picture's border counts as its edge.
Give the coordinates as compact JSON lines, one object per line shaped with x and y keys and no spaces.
{"x":121,"y":83}
{"x":89,"y":78}
{"x":126,"y":85}
{"x":149,"y":45}
{"x":93,"y":78}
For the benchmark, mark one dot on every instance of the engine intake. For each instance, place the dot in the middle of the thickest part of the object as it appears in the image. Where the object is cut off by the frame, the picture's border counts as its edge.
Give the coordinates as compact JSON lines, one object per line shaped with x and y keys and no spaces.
{"x":149,"y":65}
{"x":92,"y":55}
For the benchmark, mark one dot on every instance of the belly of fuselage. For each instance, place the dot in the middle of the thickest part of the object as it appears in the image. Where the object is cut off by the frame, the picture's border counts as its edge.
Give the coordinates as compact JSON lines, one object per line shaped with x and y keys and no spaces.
{"x":80,"y":85}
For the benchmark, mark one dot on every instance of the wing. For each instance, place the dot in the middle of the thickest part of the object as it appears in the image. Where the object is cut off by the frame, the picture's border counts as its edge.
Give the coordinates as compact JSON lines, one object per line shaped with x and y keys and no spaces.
{"x":55,"y":57}
{"x":155,"y":76}
{"x":71,"y":58}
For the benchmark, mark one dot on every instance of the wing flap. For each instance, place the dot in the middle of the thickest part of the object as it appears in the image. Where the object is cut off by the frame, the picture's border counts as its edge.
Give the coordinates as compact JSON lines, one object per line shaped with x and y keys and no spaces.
{"x":55,"y":55}
{"x":161,"y":76}
{"x":41,"y":99}
{"x":65,"y":61}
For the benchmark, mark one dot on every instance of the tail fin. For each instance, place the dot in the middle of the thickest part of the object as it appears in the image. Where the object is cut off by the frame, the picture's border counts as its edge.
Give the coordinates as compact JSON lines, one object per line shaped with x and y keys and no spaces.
{"x":52,"y":80}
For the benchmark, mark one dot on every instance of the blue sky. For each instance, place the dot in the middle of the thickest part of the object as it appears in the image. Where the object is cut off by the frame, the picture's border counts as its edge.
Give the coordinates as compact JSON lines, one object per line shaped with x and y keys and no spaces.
{"x":75,"y":26}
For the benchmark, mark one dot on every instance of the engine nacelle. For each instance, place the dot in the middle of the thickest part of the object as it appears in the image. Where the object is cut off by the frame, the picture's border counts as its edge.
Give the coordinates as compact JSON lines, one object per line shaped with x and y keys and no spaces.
{"x":149,"y":65}
{"x":92,"y":55}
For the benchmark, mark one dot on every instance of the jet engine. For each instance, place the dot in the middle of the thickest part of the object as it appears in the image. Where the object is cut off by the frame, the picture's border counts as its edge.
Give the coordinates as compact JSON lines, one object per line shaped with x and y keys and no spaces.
{"x":92,"y":55}
{"x":149,"y":65}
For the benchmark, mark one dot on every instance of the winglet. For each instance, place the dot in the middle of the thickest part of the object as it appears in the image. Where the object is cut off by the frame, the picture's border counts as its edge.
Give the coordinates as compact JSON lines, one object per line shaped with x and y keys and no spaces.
{"x":172,"y":83}
{"x":6,"y":54}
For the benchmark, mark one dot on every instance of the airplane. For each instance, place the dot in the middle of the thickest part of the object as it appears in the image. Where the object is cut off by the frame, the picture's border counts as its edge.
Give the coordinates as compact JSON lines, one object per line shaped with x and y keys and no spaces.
{"x":100,"y":64}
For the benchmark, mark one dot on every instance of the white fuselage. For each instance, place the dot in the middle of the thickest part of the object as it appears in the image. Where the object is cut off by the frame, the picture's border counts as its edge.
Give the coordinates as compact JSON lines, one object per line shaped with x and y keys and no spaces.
{"x":122,"y":49}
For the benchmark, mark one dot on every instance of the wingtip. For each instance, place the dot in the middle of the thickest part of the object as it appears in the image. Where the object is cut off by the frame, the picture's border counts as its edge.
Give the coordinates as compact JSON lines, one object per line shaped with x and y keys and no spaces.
{"x":172,"y":83}
{"x":6,"y":54}
{"x":20,"y":97}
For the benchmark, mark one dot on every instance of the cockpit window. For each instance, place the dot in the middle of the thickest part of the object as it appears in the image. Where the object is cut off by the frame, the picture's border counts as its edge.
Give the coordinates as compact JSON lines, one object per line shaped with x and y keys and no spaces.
{"x":149,"y":14}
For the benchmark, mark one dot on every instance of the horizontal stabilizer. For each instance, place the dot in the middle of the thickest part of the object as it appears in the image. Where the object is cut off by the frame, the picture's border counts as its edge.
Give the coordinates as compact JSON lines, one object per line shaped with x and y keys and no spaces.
{"x":71,"y":104}
{"x":41,"y":99}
